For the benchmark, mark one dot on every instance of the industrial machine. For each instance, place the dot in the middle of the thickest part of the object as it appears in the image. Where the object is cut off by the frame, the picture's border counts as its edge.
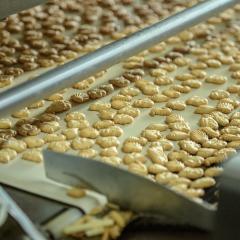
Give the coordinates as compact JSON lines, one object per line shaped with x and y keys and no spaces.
{"x":20,"y":218}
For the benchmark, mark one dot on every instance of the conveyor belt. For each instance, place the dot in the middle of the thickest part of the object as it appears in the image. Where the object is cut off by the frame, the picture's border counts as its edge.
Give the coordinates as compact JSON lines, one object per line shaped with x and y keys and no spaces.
{"x":88,"y":65}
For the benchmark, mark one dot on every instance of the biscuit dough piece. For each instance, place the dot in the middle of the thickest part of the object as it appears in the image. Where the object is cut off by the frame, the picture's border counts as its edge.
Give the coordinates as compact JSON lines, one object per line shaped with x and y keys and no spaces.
{"x":70,"y":133}
{"x":151,"y":135}
{"x":189,"y":146}
{"x":133,"y":157}
{"x":160,"y":111}
{"x":176,"y":105}
{"x":196,"y":101}
{"x":109,"y":152}
{"x":123,"y":119}
{"x":88,"y":153}
{"x":106,"y":142}
{"x":143,"y":103}
{"x":33,"y":142}
{"x":59,"y":106}
{"x":191,"y":173}
{"x":166,"y":177}
{"x":59,"y":146}
{"x":204,"y":182}
{"x":75,"y":116}
{"x":157,"y":155}
{"x":131,"y":147}
{"x":15,"y":144}
{"x":7,"y":154}
{"x":5,"y":123}
{"x":89,"y":132}
{"x":49,"y":127}
{"x":33,"y":155}
{"x":111,"y":131}
{"x":176,"y":135}
{"x":133,"y":112}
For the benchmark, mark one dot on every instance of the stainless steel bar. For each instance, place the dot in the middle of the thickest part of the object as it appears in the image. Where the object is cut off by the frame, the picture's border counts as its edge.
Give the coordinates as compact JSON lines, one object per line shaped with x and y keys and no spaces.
{"x":8,"y":7}
{"x":113,"y":53}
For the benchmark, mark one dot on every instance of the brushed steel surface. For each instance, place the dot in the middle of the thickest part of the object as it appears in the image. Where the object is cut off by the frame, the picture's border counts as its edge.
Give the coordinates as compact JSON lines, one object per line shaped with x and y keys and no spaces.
{"x":83,"y":67}
{"x":128,"y":190}
{"x":9,"y":7}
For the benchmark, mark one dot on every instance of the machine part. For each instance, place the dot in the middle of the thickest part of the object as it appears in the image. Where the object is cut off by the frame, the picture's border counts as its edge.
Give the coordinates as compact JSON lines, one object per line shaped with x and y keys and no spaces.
{"x":8,"y":7}
{"x":227,"y":225}
{"x":47,"y":210}
{"x":83,"y":67}
{"x":20,"y":216}
{"x":43,"y":215}
{"x":3,"y":212}
{"x":115,"y":182}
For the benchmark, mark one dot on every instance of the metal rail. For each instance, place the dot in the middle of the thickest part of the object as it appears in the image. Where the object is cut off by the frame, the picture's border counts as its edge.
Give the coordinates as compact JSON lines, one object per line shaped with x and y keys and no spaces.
{"x":83,"y":67}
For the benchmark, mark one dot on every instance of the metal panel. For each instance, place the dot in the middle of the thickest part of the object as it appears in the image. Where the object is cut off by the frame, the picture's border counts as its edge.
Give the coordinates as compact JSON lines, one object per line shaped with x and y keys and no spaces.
{"x":127,"y":190}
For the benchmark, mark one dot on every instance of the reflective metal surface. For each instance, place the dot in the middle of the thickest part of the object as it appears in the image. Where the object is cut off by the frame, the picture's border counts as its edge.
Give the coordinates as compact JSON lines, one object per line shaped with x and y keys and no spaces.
{"x":128,"y":190}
